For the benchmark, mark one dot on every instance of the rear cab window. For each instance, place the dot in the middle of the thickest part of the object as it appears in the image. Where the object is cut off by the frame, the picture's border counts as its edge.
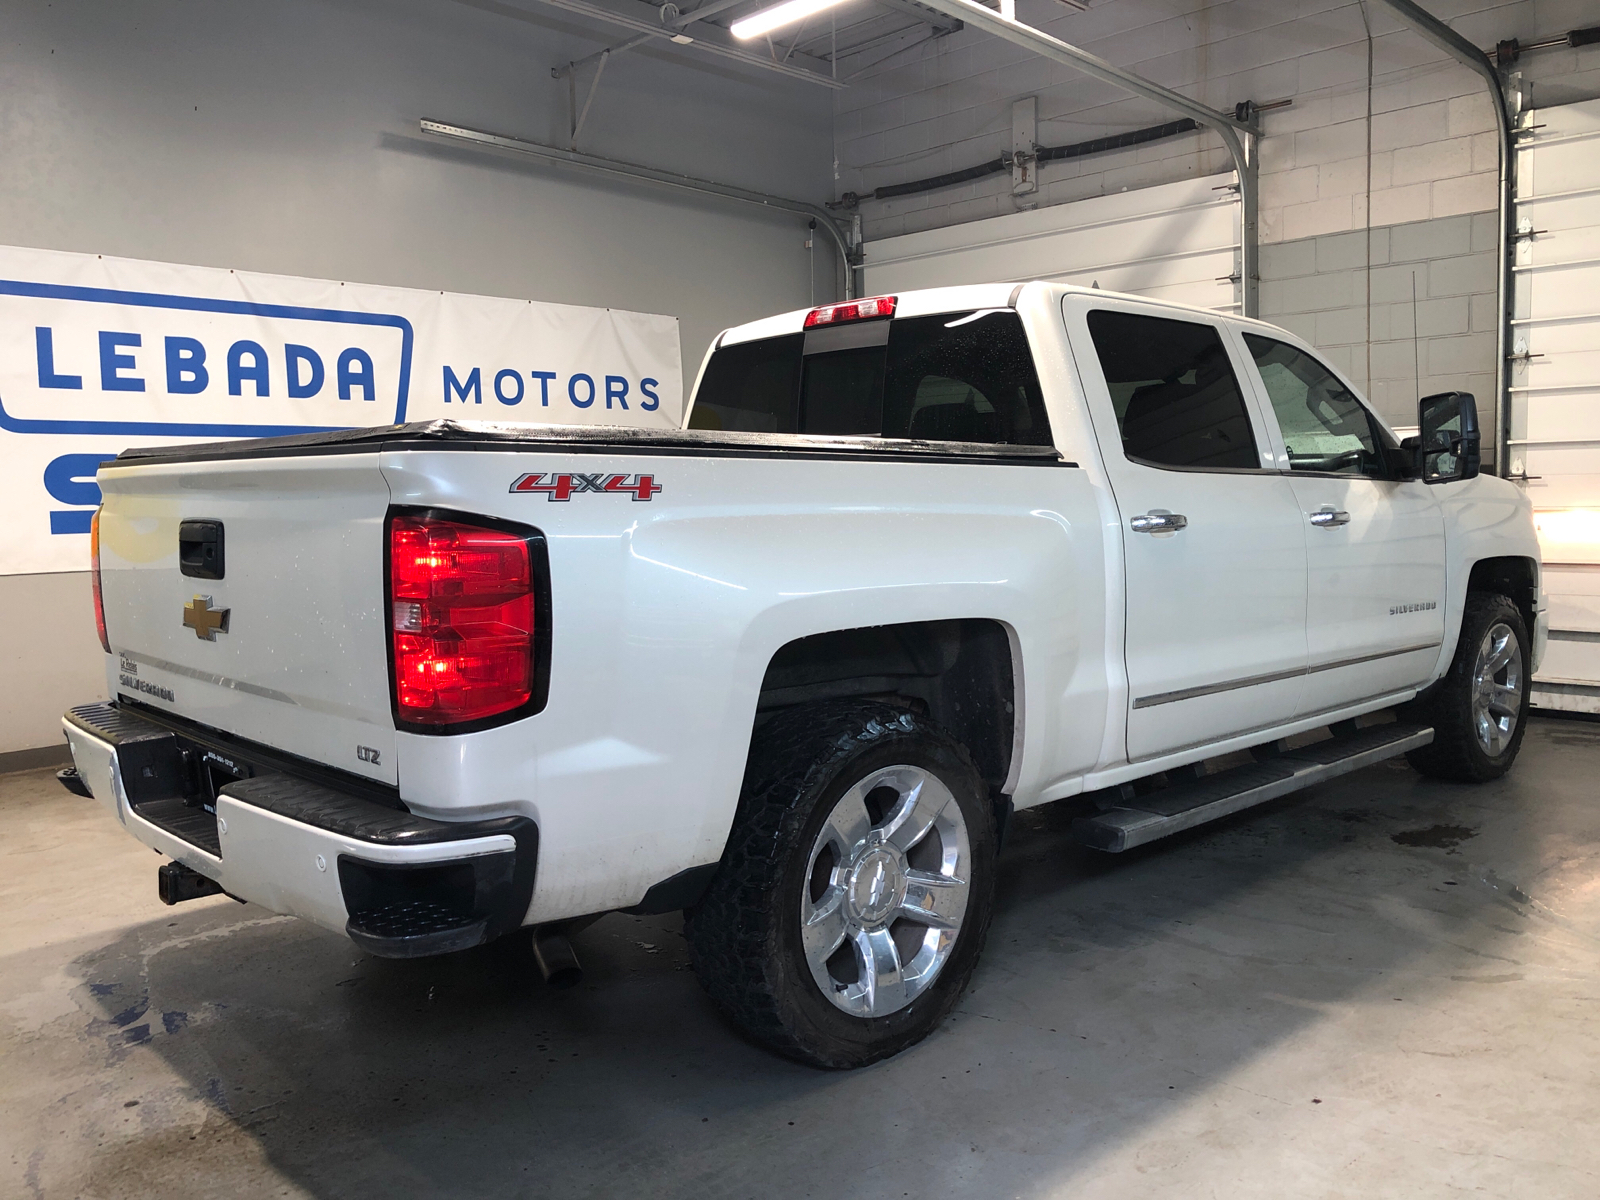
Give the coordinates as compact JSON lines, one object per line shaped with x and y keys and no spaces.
{"x":959,"y":377}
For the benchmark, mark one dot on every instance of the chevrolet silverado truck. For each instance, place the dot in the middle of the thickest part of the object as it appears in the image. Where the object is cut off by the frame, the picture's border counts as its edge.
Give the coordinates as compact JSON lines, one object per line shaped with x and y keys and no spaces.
{"x":913,"y":563}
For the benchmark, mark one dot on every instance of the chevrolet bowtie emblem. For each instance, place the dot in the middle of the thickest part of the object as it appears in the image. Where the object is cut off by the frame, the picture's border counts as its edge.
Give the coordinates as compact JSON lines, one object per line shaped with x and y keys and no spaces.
{"x":206,"y":621}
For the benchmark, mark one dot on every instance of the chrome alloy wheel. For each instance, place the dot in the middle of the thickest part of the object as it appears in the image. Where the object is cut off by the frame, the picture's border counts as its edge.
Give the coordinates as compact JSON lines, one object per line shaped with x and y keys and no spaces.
{"x":1497,"y":689}
{"x":885,"y":891}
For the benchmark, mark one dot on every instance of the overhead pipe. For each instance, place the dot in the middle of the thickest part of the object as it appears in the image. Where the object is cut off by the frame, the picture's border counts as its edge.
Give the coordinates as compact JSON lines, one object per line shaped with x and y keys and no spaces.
{"x":1452,"y":43}
{"x":642,"y":174}
{"x":1229,"y":128}
{"x":1043,"y":154}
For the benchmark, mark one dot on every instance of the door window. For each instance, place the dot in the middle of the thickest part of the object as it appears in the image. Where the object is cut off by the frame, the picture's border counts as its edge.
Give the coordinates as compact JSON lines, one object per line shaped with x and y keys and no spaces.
{"x":1325,"y":428}
{"x":1177,"y":400}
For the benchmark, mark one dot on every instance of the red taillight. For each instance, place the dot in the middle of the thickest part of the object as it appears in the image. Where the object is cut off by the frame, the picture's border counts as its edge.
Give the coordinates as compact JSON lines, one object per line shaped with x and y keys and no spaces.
{"x":870,"y":309}
{"x":462,"y":612}
{"x":94,"y":579}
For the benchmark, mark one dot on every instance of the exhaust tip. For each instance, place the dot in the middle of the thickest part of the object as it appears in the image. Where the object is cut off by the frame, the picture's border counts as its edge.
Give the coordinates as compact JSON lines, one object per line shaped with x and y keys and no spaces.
{"x":556,"y":959}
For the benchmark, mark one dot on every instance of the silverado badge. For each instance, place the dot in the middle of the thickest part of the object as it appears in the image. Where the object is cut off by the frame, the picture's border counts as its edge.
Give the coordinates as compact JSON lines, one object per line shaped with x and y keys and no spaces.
{"x":206,"y":621}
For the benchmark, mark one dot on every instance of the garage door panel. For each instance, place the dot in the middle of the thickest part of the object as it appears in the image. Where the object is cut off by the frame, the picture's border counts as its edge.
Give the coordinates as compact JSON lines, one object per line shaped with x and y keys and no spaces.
{"x":1572,"y":607}
{"x":1559,"y":340}
{"x":1575,"y":613}
{"x":1559,"y":247}
{"x":1563,"y":415}
{"x":1164,"y":279}
{"x":1570,"y":661}
{"x":1560,"y":223}
{"x":1175,"y":242}
{"x":1565,"y":476}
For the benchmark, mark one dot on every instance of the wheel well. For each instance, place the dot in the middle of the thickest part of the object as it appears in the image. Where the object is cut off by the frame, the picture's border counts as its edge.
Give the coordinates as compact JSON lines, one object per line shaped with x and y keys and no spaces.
{"x":1514,"y":578}
{"x":958,"y":673}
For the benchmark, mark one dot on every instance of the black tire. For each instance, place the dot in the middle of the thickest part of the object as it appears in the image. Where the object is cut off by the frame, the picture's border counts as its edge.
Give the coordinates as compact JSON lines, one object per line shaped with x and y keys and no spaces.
{"x":744,"y":935}
{"x":1456,"y":753}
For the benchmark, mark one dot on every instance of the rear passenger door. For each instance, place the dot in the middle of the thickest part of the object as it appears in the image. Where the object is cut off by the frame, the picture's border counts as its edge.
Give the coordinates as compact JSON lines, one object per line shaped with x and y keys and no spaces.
{"x":1213,"y":537}
{"x":1374,"y":542}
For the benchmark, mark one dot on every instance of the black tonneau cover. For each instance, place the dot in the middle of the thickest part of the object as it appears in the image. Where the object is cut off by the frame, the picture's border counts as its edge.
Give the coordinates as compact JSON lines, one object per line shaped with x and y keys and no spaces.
{"x":595,"y":439}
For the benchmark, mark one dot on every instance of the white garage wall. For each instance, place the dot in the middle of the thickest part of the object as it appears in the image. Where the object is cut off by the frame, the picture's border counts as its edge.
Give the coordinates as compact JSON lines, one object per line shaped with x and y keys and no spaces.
{"x":283,"y":137}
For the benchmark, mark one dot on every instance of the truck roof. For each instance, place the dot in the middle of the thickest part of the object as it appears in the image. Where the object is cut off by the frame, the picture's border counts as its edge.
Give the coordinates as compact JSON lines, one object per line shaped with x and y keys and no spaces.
{"x":918,"y":302}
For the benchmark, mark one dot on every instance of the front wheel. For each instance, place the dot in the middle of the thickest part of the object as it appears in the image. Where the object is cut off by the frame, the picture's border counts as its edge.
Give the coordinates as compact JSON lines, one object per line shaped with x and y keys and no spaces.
{"x":854,"y":896}
{"x":1479,"y":710}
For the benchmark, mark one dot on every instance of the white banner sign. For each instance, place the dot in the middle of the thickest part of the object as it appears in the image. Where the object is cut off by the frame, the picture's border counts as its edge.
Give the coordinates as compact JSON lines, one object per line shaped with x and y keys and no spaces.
{"x":100,"y":354}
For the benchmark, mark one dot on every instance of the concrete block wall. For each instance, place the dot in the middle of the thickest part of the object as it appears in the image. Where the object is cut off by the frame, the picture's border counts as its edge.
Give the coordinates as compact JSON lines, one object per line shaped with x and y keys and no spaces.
{"x":1353,"y":299}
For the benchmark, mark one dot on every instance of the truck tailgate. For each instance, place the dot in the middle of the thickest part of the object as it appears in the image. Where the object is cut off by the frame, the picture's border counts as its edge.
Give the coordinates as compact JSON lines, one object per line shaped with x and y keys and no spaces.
{"x":300,"y":660}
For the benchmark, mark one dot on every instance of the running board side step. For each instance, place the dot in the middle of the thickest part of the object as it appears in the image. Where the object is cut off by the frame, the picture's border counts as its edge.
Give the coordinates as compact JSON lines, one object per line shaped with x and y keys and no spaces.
{"x":1182,"y":806}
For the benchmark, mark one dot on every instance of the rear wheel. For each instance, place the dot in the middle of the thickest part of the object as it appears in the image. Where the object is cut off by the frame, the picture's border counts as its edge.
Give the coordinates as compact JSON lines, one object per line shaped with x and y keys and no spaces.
{"x":855,"y":892}
{"x":1479,"y":709}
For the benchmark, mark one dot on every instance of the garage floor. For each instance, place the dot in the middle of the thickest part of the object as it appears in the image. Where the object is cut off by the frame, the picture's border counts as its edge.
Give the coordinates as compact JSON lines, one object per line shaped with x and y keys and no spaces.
{"x":1380,"y":987}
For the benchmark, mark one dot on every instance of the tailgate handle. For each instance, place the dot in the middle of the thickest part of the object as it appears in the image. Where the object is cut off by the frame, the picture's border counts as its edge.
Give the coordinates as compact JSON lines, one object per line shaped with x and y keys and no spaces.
{"x":200,"y":549}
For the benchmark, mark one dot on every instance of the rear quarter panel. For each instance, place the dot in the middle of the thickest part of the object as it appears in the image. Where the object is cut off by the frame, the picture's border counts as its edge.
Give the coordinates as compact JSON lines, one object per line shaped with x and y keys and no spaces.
{"x":666,"y":614}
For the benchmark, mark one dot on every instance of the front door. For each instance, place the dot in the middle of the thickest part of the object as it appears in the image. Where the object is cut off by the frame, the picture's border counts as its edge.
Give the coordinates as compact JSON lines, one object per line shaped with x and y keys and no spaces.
{"x":1213,"y":538}
{"x":1374,"y":543}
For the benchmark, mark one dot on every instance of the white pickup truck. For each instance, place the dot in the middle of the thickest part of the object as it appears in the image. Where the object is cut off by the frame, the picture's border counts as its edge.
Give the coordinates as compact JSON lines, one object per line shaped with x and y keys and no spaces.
{"x":914,"y":563}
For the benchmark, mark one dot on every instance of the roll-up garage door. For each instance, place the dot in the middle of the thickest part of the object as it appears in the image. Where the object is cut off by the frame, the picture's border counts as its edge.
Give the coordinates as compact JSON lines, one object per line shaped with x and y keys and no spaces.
{"x":1555,"y":386}
{"x":1176,"y":242}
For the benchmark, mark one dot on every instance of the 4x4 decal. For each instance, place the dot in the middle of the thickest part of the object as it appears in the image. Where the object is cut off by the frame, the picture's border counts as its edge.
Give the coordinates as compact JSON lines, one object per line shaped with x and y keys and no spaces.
{"x":562,"y":486}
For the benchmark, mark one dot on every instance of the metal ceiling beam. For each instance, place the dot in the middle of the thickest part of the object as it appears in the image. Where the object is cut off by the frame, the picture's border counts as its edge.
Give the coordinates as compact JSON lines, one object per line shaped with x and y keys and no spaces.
{"x":650,"y":24}
{"x":705,"y":10}
{"x":1228,"y":127}
{"x":981,"y":17}
{"x":915,"y":8}
{"x":642,"y":174}
{"x":678,"y":23}
{"x":1453,"y":44}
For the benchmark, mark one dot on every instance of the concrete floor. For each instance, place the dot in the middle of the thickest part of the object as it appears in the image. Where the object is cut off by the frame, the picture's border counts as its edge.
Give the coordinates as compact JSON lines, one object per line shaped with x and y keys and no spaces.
{"x":1380,"y":987}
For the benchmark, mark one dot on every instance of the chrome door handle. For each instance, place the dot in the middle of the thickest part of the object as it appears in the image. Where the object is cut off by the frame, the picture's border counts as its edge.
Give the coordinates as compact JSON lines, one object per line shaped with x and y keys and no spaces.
{"x":1158,"y":521}
{"x":1328,"y":516}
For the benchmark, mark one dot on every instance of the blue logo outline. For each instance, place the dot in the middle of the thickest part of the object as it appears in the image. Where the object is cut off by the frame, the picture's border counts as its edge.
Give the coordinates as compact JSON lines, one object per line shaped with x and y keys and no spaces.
{"x":51,"y":291}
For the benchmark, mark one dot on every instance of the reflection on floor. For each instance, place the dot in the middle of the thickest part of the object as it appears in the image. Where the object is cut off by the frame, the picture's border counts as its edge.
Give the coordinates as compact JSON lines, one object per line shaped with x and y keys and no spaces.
{"x":1381,"y":986}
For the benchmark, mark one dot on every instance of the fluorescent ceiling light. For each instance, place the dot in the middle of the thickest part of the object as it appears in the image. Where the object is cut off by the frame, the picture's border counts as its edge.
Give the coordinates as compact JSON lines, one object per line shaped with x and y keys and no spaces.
{"x":778,"y":16}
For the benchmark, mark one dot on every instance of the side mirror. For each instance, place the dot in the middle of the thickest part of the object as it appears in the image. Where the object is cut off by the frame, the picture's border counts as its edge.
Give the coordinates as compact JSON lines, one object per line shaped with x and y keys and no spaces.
{"x":1448,"y":447}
